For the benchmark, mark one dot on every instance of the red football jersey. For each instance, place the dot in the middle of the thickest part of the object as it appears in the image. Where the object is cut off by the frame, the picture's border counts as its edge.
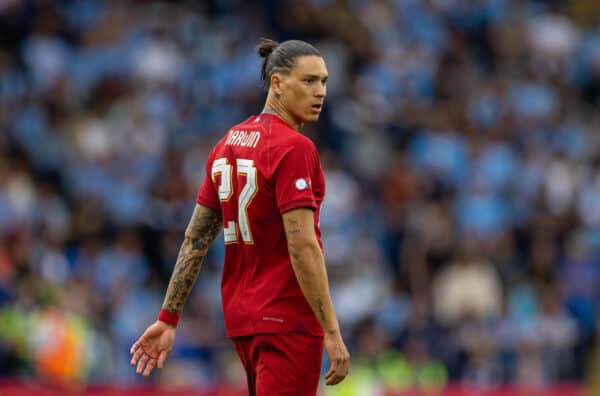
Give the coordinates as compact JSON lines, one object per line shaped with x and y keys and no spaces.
{"x":259,"y":170}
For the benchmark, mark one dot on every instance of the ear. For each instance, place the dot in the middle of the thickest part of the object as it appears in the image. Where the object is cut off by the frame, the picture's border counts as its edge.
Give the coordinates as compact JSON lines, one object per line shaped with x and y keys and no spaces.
{"x":276,"y":83}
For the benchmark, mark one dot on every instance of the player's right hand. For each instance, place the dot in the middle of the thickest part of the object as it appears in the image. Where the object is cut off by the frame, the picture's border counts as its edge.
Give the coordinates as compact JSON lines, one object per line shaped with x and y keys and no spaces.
{"x":152,"y":348}
{"x":339,"y":358}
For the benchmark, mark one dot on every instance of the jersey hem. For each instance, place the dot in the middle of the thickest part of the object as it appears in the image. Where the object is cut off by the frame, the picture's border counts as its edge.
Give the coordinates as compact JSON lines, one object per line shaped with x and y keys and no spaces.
{"x":239,"y":334}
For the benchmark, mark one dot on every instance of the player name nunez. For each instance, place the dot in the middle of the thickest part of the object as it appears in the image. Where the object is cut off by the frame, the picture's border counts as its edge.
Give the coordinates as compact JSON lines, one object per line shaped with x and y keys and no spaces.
{"x":243,"y":138}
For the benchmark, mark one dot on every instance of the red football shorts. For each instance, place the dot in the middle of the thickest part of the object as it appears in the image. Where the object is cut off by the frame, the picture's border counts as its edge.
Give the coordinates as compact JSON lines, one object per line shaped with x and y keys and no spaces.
{"x":281,"y":364}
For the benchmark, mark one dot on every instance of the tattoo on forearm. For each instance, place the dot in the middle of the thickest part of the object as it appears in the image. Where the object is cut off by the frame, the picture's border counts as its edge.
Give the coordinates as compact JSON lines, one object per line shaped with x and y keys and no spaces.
{"x":292,"y":227}
{"x":202,"y":230}
{"x":320,"y":307}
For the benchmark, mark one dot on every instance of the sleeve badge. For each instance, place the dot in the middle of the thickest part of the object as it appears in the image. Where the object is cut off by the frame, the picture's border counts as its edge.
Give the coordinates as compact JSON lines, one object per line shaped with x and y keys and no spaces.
{"x":301,"y":184}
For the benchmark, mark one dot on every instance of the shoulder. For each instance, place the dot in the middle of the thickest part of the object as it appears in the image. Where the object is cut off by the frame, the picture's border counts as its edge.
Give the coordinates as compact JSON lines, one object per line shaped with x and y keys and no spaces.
{"x":295,"y":152}
{"x":287,"y":138}
{"x":301,"y":141}
{"x":293,"y":147}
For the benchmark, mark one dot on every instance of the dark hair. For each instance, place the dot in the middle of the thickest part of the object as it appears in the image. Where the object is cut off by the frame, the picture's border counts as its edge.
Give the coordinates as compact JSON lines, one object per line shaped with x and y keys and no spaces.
{"x":281,"y":57}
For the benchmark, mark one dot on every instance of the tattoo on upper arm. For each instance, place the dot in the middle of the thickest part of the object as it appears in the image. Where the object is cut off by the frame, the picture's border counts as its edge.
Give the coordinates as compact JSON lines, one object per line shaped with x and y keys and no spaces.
{"x":203,"y":228}
{"x":292,"y":227}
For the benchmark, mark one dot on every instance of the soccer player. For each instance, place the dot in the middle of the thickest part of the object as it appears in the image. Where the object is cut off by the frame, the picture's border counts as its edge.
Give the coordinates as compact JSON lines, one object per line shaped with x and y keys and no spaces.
{"x":264,"y":186}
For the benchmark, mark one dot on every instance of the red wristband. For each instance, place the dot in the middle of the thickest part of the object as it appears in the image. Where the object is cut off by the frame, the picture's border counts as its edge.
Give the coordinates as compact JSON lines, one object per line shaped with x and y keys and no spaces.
{"x":170,"y":318}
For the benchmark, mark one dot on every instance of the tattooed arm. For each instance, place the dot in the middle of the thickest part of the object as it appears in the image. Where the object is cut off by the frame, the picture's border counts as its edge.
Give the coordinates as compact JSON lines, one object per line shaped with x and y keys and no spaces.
{"x":153,"y":347}
{"x":203,"y":228}
{"x":309,"y":267}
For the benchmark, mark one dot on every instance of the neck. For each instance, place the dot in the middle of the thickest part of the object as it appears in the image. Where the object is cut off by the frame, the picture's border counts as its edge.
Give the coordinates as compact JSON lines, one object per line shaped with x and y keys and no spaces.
{"x":274,"y":106}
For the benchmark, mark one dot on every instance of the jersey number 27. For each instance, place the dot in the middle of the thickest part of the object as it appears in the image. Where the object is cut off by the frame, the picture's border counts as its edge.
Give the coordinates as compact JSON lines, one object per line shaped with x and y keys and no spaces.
{"x":243,"y":167}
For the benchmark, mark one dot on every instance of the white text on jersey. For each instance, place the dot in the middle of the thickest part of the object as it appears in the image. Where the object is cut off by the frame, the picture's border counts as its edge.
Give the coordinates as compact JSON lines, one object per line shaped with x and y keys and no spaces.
{"x":243,"y":138}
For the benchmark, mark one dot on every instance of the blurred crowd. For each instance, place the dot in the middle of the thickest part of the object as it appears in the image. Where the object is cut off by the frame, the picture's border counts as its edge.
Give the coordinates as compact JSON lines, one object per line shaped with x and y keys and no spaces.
{"x":461,"y":147}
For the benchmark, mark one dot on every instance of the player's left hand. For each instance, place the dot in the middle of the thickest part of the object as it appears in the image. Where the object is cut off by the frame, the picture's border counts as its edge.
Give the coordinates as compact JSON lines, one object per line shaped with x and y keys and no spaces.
{"x":338,"y":356}
{"x":152,"y":348}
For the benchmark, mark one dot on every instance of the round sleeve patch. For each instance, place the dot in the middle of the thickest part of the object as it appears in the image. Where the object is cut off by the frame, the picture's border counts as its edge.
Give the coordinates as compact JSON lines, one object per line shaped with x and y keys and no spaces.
{"x":301,"y":184}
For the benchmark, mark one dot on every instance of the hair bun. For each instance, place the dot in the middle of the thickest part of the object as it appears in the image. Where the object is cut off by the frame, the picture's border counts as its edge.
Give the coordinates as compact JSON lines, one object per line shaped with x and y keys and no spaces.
{"x":266,"y":46}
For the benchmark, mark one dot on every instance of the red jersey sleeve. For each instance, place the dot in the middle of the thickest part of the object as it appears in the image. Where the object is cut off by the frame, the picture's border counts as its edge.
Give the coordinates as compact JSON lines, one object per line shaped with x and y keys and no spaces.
{"x":207,"y":194}
{"x":294,"y":170}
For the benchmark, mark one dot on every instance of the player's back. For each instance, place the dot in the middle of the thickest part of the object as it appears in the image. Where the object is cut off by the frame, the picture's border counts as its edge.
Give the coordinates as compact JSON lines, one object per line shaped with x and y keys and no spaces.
{"x":259,"y":170}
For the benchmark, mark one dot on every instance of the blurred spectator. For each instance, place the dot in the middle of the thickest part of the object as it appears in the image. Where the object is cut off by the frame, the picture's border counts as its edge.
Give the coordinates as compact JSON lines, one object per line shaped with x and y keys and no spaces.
{"x":469,"y":287}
